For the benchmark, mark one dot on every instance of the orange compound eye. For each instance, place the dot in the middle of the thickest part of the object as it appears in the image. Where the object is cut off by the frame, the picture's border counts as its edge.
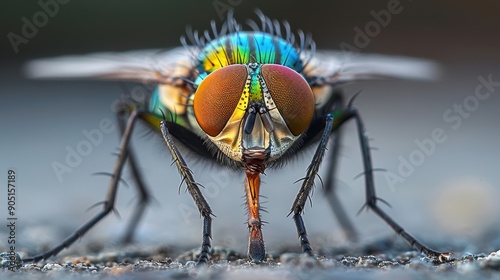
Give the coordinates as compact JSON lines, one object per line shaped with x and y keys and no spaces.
{"x":291,"y":94}
{"x":217,"y":97}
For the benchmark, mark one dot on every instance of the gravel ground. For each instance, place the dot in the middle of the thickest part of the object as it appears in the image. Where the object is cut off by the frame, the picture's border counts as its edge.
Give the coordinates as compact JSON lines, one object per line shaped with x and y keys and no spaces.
{"x":386,"y":258}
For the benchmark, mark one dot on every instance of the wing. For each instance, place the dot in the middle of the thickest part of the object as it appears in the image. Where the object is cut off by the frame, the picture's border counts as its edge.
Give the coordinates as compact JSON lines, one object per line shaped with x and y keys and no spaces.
{"x":161,"y":66}
{"x":335,"y":67}
{"x":147,"y":66}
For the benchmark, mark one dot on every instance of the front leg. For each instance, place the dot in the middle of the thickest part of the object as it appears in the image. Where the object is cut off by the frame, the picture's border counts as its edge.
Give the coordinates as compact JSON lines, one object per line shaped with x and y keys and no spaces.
{"x":194,"y":190}
{"x":312,"y":172}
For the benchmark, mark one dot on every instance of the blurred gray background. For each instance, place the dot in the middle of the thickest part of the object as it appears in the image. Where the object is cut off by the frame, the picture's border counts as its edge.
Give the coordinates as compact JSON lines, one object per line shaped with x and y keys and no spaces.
{"x":452,"y":194}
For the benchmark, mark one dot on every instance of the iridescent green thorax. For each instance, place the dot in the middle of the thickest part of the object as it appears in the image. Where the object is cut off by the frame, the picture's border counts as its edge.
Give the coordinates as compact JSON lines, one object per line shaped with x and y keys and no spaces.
{"x":255,"y":85}
{"x":244,"y":48}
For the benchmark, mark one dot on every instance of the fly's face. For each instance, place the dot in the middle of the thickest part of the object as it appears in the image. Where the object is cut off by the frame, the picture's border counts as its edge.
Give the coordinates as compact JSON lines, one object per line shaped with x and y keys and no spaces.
{"x":254,"y":109}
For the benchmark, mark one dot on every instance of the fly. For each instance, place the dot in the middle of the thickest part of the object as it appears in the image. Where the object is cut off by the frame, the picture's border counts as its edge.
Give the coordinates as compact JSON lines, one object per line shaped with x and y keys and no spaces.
{"x":248,"y":100}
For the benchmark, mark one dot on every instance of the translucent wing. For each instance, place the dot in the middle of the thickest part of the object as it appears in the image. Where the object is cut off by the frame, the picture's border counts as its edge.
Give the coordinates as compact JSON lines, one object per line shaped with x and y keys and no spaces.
{"x":164,"y":66}
{"x":147,"y":66}
{"x":335,"y":67}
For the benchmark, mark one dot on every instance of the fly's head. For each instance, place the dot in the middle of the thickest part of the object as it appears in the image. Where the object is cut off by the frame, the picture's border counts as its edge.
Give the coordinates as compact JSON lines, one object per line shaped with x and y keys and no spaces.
{"x":254,"y":111}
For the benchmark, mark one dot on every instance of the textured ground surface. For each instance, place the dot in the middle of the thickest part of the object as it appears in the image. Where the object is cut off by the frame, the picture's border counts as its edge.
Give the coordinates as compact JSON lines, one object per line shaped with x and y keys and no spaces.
{"x":384,"y":259}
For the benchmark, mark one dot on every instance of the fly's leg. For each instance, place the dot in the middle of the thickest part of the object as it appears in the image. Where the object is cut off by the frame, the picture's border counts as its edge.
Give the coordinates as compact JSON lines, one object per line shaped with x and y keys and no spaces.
{"x":308,"y":182}
{"x":371,"y":198}
{"x":336,"y":103}
{"x":144,"y":196}
{"x":108,"y":204}
{"x":333,"y":123}
{"x":194,"y":190}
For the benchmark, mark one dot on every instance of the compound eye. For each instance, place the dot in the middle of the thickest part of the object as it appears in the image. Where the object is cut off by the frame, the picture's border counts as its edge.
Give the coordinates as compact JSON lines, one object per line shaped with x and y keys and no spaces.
{"x":217,"y":97}
{"x":291,"y":94}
